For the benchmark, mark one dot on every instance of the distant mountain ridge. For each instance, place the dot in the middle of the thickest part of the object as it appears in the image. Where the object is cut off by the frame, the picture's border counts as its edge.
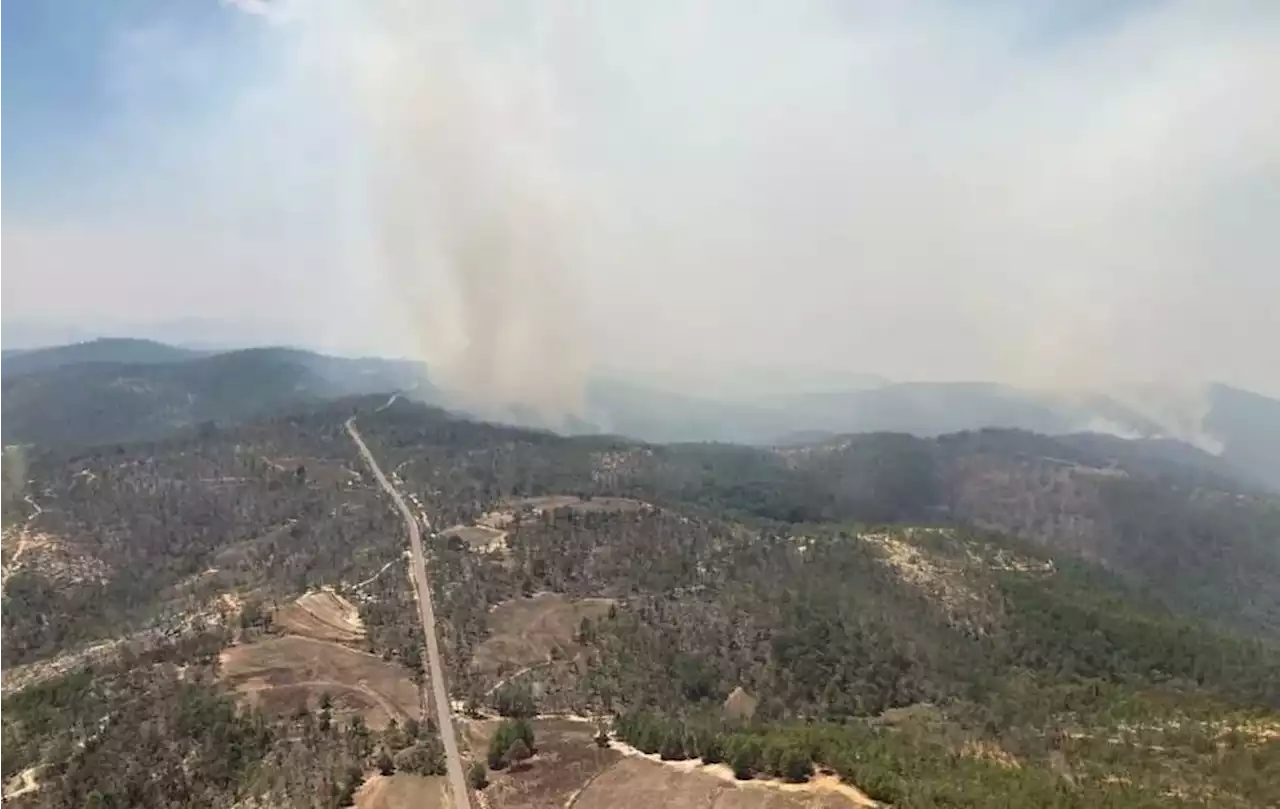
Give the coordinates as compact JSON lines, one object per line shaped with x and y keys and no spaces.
{"x":1243,"y":428}
{"x":61,"y":395}
{"x":120,"y":350}
{"x":117,"y":390}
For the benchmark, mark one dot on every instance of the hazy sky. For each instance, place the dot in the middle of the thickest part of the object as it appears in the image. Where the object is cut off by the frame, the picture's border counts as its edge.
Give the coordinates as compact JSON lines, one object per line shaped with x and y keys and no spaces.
{"x":1054,"y":193}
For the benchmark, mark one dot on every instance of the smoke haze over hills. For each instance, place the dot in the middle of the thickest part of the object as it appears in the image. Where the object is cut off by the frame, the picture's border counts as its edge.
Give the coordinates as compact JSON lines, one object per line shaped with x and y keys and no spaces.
{"x":517,"y":193}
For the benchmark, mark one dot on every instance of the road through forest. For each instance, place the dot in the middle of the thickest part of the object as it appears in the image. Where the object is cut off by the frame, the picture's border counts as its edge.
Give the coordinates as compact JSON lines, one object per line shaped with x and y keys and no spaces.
{"x":444,"y":717}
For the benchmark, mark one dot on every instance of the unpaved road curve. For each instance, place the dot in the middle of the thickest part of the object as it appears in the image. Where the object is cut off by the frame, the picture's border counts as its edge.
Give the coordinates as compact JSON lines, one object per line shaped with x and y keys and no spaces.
{"x":444,"y":718}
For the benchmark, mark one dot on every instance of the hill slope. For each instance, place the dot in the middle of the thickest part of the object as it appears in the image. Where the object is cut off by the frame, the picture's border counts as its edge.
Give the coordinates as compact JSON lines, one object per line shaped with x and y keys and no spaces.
{"x":119,"y":350}
{"x":1174,"y":521}
{"x":928,"y":665}
{"x":1242,"y":427}
{"x":112,"y":391}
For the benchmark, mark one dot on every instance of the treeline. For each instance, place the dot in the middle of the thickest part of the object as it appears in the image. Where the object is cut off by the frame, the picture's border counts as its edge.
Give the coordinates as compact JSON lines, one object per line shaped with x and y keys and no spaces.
{"x":909,"y":770}
{"x":750,"y":752}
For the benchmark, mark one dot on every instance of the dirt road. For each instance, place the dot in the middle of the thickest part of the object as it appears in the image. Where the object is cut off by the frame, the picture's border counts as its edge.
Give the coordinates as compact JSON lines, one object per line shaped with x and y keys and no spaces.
{"x":444,"y":717}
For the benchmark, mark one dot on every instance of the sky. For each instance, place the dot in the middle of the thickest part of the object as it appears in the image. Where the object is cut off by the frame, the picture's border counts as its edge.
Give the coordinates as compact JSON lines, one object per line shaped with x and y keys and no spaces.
{"x":1055,"y":194}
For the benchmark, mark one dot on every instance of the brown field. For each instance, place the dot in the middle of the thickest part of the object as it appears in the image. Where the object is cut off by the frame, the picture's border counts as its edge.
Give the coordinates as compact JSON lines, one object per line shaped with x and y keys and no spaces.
{"x":570,"y":772}
{"x":567,"y":759}
{"x":488,"y":534}
{"x":641,"y":783}
{"x":525,"y":630}
{"x":326,"y":472}
{"x":322,"y":615}
{"x":478,"y":537}
{"x":282,"y":674}
{"x":402,"y":791}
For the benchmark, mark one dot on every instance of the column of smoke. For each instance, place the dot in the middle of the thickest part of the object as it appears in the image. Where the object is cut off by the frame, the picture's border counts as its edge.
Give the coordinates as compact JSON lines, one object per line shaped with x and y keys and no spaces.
{"x":469,"y":202}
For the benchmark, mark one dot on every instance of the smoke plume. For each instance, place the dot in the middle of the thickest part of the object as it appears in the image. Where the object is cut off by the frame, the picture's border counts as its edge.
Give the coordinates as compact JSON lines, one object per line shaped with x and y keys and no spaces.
{"x":470,"y":206}
{"x":1062,"y":196}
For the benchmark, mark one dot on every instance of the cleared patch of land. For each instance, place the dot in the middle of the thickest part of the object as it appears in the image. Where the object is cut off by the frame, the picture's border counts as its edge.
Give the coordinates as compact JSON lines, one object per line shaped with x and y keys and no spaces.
{"x":480,"y":538}
{"x":21,"y":784}
{"x":567,"y":760}
{"x":525,"y":631}
{"x":322,"y":615}
{"x":49,"y":556}
{"x":488,"y":533}
{"x":571,"y":771}
{"x":641,"y":783}
{"x":283,"y":674}
{"x":402,"y":791}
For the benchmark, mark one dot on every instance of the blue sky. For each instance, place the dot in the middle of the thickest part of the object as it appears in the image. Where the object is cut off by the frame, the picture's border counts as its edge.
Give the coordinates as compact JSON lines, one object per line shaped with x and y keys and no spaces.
{"x":69,"y":97}
{"x":1053,"y":193}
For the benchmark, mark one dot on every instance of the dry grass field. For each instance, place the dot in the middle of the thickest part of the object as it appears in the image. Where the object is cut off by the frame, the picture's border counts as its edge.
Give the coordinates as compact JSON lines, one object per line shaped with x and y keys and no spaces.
{"x":322,"y":615}
{"x":567,"y":759}
{"x":570,"y":772}
{"x":402,"y":791}
{"x":489,"y":534}
{"x":479,"y":538}
{"x":640,"y":783}
{"x":523,"y":632}
{"x":282,"y":674}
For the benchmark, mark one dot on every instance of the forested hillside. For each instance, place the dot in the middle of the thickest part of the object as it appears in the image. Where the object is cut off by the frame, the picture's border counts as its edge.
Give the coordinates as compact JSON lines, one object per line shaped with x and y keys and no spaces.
{"x":224,"y":616}
{"x":1172,"y":521}
{"x":113,"y":391}
{"x":1022,"y":651}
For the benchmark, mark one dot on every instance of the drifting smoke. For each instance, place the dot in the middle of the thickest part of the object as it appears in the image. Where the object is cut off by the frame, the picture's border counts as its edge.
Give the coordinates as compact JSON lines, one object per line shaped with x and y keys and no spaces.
{"x":470,"y":206}
{"x":1058,"y":196}
{"x":1180,"y":411}
{"x":1151,"y":410}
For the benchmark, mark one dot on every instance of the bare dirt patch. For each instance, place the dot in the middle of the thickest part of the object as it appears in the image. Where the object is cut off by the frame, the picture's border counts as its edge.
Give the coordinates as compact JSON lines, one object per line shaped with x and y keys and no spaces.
{"x":941,"y":579}
{"x":21,"y":784}
{"x":282,"y":674}
{"x":637,"y":783}
{"x":49,"y":556}
{"x":821,"y":790}
{"x":402,"y":791}
{"x":480,"y":538}
{"x":529,"y":631}
{"x":322,"y":615}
